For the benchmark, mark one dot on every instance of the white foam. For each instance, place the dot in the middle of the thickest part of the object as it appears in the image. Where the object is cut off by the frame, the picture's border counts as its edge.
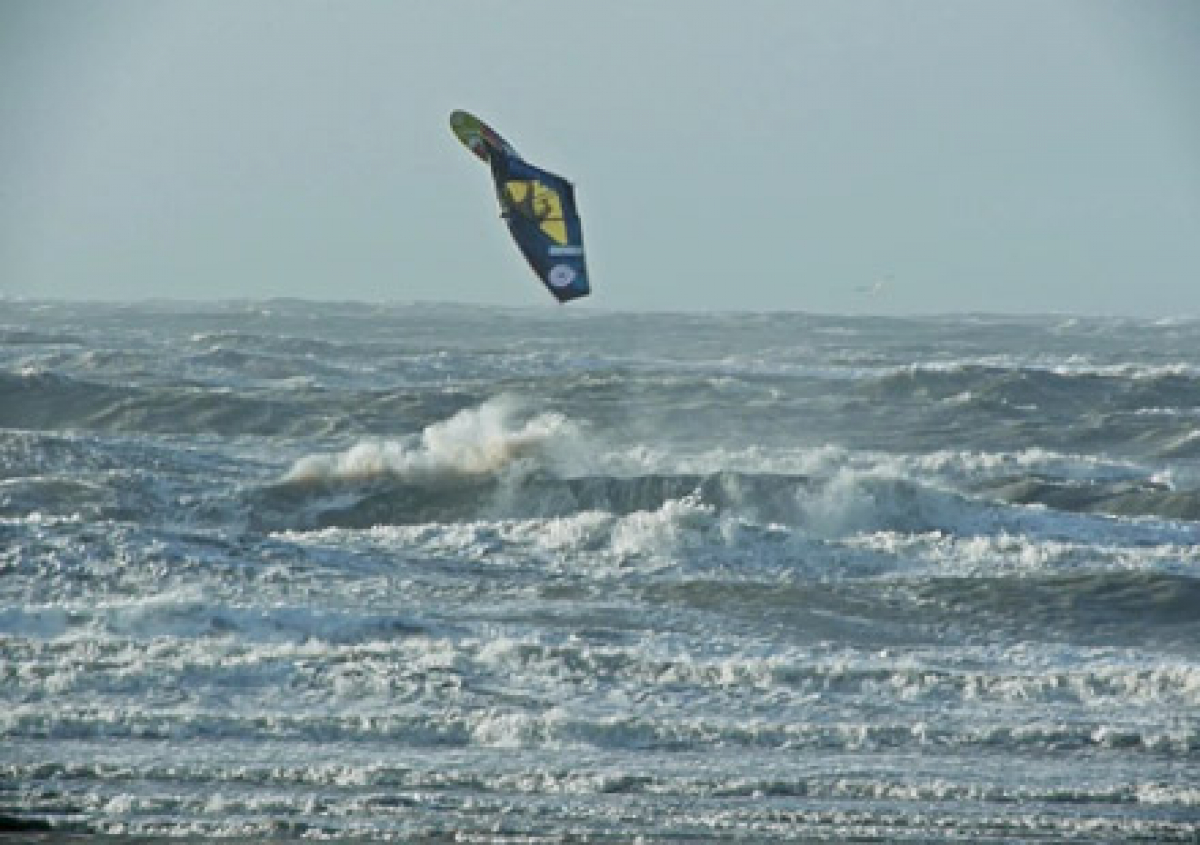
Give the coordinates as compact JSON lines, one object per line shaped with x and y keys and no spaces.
{"x":498,"y":436}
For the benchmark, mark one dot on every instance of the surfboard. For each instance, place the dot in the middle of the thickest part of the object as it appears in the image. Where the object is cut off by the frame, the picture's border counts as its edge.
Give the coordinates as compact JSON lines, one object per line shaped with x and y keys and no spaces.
{"x":477,"y":136}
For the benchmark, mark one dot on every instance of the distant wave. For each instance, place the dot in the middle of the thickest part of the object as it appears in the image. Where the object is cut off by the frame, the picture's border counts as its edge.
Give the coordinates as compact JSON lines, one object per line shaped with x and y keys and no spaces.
{"x":25,"y":337}
{"x":1054,"y":389}
{"x":1116,"y":498}
{"x":38,"y":399}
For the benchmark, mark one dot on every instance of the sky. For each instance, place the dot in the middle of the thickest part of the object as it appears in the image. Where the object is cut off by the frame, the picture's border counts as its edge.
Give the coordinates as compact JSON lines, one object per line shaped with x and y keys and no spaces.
{"x":827,"y":156}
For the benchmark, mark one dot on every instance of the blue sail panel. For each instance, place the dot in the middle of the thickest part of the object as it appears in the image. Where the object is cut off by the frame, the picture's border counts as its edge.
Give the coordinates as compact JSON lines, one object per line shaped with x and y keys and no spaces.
{"x":539,"y":208}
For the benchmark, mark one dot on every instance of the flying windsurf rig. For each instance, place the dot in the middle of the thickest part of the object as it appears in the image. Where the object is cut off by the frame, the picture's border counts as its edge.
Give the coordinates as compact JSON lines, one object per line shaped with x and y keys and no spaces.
{"x":538,"y":206}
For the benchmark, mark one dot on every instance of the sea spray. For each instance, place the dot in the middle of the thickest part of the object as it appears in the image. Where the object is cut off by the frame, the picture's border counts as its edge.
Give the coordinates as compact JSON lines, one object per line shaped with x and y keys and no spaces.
{"x":501,"y":436}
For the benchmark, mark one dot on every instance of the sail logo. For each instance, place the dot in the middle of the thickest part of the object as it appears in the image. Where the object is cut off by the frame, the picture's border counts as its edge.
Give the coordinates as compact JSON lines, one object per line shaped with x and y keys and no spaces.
{"x":561,"y":275}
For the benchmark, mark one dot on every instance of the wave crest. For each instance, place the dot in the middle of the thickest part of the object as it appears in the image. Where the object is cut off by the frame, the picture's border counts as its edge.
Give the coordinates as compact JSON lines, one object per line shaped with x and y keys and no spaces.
{"x":496,"y":438}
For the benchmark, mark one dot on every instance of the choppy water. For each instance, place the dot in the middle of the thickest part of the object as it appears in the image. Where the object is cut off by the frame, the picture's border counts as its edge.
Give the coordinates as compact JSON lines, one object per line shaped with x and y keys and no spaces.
{"x":418,"y":572}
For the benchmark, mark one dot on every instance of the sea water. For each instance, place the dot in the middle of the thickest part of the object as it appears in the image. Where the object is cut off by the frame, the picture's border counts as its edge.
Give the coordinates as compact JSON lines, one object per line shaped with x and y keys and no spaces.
{"x":445,"y":573}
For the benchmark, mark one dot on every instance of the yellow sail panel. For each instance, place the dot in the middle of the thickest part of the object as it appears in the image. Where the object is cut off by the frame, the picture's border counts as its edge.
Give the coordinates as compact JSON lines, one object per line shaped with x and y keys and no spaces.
{"x":537,"y":201}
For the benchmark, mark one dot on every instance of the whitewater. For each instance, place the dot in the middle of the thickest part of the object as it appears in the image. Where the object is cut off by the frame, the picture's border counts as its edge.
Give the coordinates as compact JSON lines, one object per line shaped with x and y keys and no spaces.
{"x":428,"y":573}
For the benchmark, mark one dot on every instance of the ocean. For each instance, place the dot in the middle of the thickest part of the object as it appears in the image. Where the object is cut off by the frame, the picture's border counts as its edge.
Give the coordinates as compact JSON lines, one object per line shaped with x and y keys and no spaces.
{"x":440,"y":573}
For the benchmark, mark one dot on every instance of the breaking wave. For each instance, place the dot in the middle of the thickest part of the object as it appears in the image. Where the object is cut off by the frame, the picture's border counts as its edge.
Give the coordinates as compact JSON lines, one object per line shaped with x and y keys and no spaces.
{"x":496,"y":438}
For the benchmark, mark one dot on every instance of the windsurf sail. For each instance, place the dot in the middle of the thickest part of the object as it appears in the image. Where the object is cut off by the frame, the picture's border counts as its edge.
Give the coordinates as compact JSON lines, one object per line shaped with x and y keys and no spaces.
{"x":538,"y":206}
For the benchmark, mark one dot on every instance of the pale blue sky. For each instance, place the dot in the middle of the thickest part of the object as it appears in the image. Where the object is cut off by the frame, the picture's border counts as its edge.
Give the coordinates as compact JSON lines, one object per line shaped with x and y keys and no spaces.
{"x":1015,"y":155}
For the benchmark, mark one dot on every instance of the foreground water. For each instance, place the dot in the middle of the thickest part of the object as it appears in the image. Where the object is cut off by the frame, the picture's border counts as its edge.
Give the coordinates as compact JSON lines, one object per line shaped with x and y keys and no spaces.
{"x":429,"y":572}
